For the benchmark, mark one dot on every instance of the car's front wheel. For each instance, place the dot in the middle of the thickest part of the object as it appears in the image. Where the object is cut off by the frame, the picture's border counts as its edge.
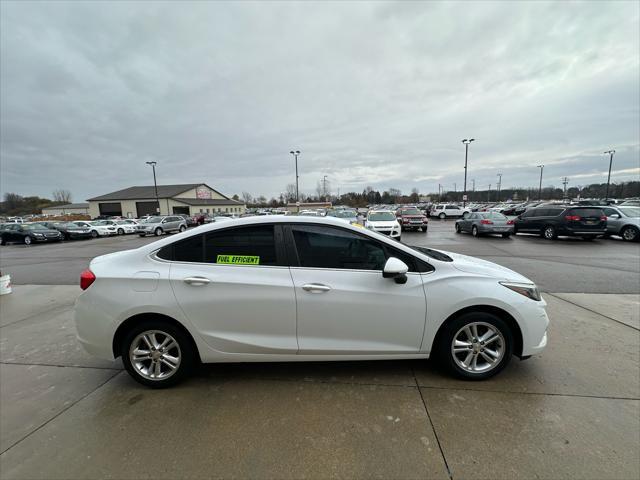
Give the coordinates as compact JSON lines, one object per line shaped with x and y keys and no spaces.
{"x":549,"y":233}
{"x":121,"y":231}
{"x":475,"y":346}
{"x":630,"y":234}
{"x":442,"y":216}
{"x":458,"y":228}
{"x":94,"y":234}
{"x":27,"y":240}
{"x":157,"y":354}
{"x":182,"y":228}
{"x":475,"y":232}
{"x":157,"y":232}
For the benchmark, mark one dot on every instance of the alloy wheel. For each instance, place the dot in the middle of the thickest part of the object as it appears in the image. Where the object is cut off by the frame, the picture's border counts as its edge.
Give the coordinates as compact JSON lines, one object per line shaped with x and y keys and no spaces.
{"x":27,"y":240}
{"x":478,"y":347}
{"x":629,"y":234}
{"x":155,"y":355}
{"x":549,"y":233}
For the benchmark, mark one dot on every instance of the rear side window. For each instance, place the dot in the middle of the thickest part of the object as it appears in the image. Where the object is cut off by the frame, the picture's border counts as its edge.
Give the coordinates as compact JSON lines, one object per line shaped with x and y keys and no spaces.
{"x":241,"y":246}
{"x":587,"y":212}
{"x":554,"y":212}
{"x":188,"y":250}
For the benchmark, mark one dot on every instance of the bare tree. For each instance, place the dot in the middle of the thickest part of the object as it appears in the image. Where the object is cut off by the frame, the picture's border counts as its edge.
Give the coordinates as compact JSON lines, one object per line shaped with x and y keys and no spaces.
{"x":246,"y":196}
{"x":319,"y":190}
{"x":62,"y":195}
{"x":290,"y":192}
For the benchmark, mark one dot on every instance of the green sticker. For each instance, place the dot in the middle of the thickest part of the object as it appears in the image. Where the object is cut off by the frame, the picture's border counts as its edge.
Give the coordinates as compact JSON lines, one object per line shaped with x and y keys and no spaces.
{"x":238,"y":259}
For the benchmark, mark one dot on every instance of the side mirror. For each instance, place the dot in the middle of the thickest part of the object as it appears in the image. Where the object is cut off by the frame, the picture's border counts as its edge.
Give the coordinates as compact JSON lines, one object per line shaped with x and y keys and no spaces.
{"x":396,"y":269}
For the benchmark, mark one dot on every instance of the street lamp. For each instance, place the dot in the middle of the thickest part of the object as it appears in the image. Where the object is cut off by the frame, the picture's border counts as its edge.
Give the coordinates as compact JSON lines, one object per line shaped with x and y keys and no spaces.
{"x":541,"y":167}
{"x":499,"y":187}
{"x":295,"y":154}
{"x":324,"y":187}
{"x":610,"y":152}
{"x":466,"y":142}
{"x":155,"y":185}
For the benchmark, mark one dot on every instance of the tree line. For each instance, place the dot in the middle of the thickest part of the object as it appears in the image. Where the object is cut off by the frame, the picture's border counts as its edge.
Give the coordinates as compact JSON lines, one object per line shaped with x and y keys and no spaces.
{"x":15,"y":205}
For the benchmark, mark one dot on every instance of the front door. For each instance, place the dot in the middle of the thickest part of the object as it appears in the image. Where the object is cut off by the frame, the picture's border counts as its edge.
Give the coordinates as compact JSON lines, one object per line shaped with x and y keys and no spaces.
{"x":236,"y":290}
{"x":345,"y":306}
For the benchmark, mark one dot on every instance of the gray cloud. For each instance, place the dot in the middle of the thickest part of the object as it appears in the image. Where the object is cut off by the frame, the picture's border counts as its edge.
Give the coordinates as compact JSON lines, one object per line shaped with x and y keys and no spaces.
{"x":372,"y":93}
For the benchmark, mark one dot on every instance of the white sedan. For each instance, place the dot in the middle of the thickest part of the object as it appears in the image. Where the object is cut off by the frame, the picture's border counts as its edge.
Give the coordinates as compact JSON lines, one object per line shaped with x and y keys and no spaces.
{"x":281,"y":288}
{"x":97,"y":229}
{"x":383,"y":221}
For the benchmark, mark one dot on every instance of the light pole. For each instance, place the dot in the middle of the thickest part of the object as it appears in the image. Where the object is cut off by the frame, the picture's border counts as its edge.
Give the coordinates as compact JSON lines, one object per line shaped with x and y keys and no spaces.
{"x":610,"y":152}
{"x":155,"y":185}
{"x":295,"y":154}
{"x":541,"y":167}
{"x":466,"y":142}
{"x":489,"y":194}
{"x":498,"y":186}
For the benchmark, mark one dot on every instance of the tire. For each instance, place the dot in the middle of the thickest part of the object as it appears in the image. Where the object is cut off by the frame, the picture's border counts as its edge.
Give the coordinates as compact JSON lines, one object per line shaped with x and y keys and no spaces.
{"x":120,"y":231}
{"x":589,"y":238}
{"x":3,"y":241}
{"x":630,"y":234}
{"x":506,"y":235}
{"x":549,"y":232}
{"x":480,"y":323}
{"x":142,"y":235}
{"x":27,"y":240}
{"x":182,"y":355}
{"x":458,"y":230}
{"x":442,"y":216}
{"x":94,"y":234}
{"x":157,"y":232}
{"x":515,"y":230}
{"x":182,"y":228}
{"x":474,"y":231}
{"x":424,"y":229}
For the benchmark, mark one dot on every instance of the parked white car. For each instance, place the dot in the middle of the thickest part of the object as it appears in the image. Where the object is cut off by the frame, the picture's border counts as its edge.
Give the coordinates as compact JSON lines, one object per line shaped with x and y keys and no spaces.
{"x":122,"y":226}
{"x":383,"y":221}
{"x":302,"y":289}
{"x":448,"y":210}
{"x":97,"y":229}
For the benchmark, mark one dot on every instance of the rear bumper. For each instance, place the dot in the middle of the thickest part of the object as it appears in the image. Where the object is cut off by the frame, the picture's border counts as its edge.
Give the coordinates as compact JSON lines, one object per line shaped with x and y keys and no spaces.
{"x":492,"y":229}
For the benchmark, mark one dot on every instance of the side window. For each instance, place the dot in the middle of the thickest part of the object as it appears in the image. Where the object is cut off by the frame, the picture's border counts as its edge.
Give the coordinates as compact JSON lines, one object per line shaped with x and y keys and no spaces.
{"x":326,"y":247}
{"x":609,"y":211}
{"x":554,"y":212}
{"x":254,"y":245}
{"x":540,"y":212}
{"x":187,"y":250}
{"x":450,"y":207}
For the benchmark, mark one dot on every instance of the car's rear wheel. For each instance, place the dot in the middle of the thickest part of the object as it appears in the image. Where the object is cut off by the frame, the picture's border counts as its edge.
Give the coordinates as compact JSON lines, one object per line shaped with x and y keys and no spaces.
{"x":549,"y":233}
{"x":3,"y":241}
{"x":157,"y":232}
{"x":27,"y":240}
{"x":120,"y":231}
{"x":506,"y":235}
{"x":475,"y":346}
{"x":442,"y":216}
{"x":182,"y":228}
{"x":458,"y":228}
{"x":157,"y":354}
{"x":424,"y":229}
{"x":630,"y":234}
{"x":474,"y":231}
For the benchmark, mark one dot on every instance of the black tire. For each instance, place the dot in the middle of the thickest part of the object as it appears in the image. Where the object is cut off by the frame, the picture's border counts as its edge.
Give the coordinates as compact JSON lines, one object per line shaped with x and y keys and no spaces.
{"x":94,"y":234}
{"x":182,"y":228}
{"x":120,"y":231}
{"x":506,"y":235}
{"x":445,"y":340}
{"x":549,"y":233}
{"x":27,"y":240}
{"x":142,"y":235}
{"x":424,"y":229}
{"x":186,"y":352}
{"x":442,"y":216}
{"x":630,"y":234}
{"x":3,"y":241}
{"x":474,"y":231}
{"x":458,"y":230}
{"x":157,"y":232}
{"x":515,"y":230}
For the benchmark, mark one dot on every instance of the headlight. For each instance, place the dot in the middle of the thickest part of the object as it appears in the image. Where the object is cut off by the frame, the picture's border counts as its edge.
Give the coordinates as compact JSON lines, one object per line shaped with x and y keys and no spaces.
{"x":526,"y":289}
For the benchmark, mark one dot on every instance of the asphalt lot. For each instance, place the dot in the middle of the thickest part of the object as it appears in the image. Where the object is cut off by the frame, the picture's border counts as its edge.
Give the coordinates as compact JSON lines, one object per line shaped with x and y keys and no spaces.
{"x":564,"y":265}
{"x":571,"y":412}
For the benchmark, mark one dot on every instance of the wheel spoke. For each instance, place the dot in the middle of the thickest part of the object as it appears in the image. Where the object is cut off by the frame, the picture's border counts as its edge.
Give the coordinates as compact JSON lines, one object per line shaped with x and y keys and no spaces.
{"x":170,"y":358}
{"x":474,"y":330}
{"x":493,"y":353}
{"x":468,"y":359}
{"x":468,"y":333}
{"x":147,"y":341}
{"x":489,"y":359}
{"x":486,"y":335}
{"x":474,"y":363}
{"x":168,"y":364}
{"x":491,"y":340}
{"x":157,"y":371}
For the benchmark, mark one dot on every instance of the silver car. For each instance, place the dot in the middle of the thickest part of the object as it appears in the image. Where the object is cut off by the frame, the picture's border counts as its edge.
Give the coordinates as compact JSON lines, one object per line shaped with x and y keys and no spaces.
{"x":624,"y":222}
{"x":479,"y":223}
{"x":159,"y":225}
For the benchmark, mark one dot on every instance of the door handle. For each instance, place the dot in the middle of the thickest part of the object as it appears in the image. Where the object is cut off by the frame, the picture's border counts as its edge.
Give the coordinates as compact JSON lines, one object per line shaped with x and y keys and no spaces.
{"x":316,"y":288}
{"x":196,"y":281}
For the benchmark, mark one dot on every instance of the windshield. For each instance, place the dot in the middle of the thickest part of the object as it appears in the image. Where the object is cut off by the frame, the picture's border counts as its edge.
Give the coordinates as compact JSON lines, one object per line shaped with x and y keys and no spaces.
{"x":494,"y":215}
{"x":411,"y":211}
{"x":34,"y":226}
{"x":344,"y":214}
{"x":66,"y":225}
{"x":153,"y":220}
{"x":630,"y":211}
{"x":101,"y":222}
{"x":381,"y":217}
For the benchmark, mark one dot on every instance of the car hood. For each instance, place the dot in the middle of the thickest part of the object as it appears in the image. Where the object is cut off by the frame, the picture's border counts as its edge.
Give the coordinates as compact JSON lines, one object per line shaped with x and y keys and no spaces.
{"x":468,"y":264}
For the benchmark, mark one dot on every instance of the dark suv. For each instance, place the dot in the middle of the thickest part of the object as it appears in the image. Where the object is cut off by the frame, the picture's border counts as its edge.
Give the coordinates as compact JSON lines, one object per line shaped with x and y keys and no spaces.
{"x":550,"y":221}
{"x":411,"y":218}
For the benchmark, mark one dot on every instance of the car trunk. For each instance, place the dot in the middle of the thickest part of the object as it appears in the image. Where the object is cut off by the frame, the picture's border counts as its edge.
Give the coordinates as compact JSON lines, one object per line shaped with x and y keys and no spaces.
{"x":585,"y":219}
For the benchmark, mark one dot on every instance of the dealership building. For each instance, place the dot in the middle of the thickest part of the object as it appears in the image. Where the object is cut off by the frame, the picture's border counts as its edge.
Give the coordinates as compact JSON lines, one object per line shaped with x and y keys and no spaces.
{"x":190,"y":199}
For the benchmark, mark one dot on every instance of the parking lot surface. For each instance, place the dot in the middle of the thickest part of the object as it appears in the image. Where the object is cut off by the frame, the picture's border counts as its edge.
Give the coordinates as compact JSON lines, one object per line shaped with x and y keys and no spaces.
{"x":571,"y":412}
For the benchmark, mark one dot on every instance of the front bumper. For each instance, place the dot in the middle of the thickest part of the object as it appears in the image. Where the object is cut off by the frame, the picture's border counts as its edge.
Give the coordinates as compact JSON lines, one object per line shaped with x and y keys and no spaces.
{"x":47,"y":239}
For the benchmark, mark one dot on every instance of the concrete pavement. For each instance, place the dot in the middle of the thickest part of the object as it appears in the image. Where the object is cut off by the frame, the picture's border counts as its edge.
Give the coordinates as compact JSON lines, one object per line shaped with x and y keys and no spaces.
{"x":572,"y":412}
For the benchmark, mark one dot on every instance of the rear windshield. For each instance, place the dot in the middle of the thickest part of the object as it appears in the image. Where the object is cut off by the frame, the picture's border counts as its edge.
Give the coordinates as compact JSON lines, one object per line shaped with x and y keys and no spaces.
{"x":494,"y":215}
{"x":586,"y":212}
{"x":411,"y":211}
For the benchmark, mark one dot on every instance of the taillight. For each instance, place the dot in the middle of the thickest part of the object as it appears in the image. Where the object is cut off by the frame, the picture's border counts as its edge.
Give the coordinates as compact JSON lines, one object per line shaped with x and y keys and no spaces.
{"x":86,"y":279}
{"x":510,"y":222}
{"x":572,"y":218}
{"x":486,"y":222}
{"x":603,"y":218}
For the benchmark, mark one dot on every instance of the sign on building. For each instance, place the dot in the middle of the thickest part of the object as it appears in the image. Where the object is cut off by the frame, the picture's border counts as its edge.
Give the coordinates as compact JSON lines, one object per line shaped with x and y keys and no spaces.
{"x":203,"y":192}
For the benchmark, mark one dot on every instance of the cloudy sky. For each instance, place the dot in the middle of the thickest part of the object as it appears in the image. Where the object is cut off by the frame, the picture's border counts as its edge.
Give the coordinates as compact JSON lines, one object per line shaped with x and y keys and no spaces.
{"x":372,"y":93}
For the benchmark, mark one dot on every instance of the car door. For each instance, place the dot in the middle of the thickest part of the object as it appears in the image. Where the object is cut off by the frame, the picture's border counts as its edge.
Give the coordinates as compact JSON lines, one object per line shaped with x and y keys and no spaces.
{"x":466,"y":223}
{"x":234,"y":286}
{"x":344,"y":304}
{"x":614,"y":219}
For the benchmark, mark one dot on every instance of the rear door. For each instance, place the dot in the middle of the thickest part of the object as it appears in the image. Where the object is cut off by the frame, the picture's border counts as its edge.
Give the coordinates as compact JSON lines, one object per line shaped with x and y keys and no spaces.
{"x":344,"y":304}
{"x":235,"y":287}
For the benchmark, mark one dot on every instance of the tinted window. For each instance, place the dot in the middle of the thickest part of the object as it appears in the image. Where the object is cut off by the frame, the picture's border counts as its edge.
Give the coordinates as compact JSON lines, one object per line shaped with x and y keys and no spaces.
{"x":609,"y":211}
{"x":586,"y":212}
{"x":242,"y":245}
{"x":554,"y":212}
{"x":540,"y":212}
{"x":324,"y":247}
{"x":451,"y":207}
